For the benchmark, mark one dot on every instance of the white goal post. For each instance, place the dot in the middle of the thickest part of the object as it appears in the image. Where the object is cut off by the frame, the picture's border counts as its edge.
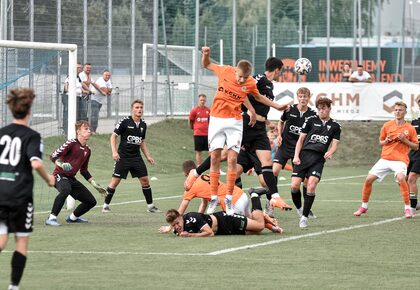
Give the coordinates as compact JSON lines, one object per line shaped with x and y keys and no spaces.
{"x":72,"y":50}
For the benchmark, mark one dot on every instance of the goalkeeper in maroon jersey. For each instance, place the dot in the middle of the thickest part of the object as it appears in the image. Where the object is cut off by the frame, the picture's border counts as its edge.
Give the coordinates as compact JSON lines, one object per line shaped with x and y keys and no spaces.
{"x":71,"y":157}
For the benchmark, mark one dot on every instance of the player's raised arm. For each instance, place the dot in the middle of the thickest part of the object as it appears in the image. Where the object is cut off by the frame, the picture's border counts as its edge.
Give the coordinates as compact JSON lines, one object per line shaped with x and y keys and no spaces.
{"x":205,"y":59}
{"x":263,"y":100}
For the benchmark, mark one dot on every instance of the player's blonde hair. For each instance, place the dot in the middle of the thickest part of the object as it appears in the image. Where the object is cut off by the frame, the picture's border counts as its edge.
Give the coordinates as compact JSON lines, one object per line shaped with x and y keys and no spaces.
{"x":304,"y":90}
{"x":400,"y":104}
{"x":245,"y":66}
{"x":137,"y":101}
{"x":171,"y":215}
{"x":20,"y":102}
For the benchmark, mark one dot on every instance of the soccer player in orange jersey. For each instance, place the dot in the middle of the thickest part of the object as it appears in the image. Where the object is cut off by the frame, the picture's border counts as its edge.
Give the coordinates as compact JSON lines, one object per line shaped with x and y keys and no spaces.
{"x":396,"y":138}
{"x":225,"y":128}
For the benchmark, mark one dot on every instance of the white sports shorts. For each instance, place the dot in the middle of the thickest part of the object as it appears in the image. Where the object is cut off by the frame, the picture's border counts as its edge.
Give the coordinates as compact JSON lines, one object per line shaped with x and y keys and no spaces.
{"x":383,"y":167}
{"x":225,"y":131}
{"x":241,"y":206}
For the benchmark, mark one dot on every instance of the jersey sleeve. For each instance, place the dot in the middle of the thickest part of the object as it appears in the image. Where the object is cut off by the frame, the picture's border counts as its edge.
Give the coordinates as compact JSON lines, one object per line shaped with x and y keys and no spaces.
{"x":307,"y":126}
{"x":193,"y":114}
{"x":120,"y":127}
{"x":253,"y":90}
{"x":382,"y":136}
{"x":217,"y":69}
{"x":337,"y":133}
{"x":84,"y":168}
{"x":194,"y":222}
{"x":284,"y":116}
{"x":413,"y":135}
{"x":145,"y":130}
{"x":62,"y":151}
{"x":35,"y":147}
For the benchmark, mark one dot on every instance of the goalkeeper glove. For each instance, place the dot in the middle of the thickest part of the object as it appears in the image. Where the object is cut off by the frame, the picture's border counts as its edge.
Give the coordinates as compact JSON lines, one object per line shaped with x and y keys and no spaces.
{"x":65,"y":165}
{"x":99,"y":188}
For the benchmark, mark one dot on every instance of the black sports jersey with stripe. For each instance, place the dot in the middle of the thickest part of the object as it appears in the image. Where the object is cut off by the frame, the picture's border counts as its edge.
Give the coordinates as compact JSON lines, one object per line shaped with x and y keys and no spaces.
{"x":294,"y":120}
{"x":19,"y":145}
{"x":132,"y":135}
{"x":415,"y":155}
{"x":320,"y":134}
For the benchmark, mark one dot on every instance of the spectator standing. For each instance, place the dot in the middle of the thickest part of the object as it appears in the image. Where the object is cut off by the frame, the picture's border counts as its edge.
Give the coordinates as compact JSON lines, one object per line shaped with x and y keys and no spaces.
{"x":360,"y":76}
{"x":65,"y":98}
{"x":103,"y":87}
{"x":87,"y":90}
{"x":199,"y":122}
{"x":346,"y":73}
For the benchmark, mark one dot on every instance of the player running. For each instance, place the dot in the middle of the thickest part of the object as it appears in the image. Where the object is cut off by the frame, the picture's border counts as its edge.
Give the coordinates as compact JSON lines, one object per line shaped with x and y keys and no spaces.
{"x":73,"y":156}
{"x":413,"y":168}
{"x":20,"y":151}
{"x":312,"y":150}
{"x":196,"y":224}
{"x":132,"y":132}
{"x":225,"y":125}
{"x":396,"y":138}
{"x":290,"y":127}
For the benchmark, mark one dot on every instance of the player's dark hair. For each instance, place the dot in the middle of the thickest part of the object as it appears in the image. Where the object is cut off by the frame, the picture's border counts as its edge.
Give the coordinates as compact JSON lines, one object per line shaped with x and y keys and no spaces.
{"x":137,"y":101}
{"x":81,"y":123}
{"x":323,"y":101}
{"x":304,"y":90}
{"x":20,"y":101}
{"x":202,"y":95}
{"x":401,"y":104}
{"x":188,"y":165}
{"x":87,"y":64}
{"x":272,"y":63}
{"x":171,"y":215}
{"x":245,"y":66}
{"x":360,"y":65}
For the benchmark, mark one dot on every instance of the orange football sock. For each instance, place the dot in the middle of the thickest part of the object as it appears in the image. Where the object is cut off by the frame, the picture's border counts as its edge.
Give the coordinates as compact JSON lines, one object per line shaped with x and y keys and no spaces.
{"x":230,"y":181}
{"x":367,"y":190}
{"x":214,"y":182}
{"x":405,"y":192}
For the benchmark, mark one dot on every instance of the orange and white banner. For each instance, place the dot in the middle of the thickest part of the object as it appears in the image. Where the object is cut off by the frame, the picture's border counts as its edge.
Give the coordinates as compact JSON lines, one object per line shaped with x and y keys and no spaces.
{"x":353,"y":101}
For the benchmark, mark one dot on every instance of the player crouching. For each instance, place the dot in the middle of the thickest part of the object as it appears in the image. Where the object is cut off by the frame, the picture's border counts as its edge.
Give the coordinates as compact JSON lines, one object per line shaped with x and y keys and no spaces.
{"x":71,"y":157}
{"x":196,"y":224}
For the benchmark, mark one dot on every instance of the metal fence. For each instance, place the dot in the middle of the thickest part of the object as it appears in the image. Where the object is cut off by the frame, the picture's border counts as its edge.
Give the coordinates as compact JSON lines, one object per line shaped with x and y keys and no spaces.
{"x":111,"y":34}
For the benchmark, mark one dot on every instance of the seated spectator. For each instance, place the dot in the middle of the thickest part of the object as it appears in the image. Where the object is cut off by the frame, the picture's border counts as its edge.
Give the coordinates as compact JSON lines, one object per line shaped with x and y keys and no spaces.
{"x":346,"y":73}
{"x":360,"y":76}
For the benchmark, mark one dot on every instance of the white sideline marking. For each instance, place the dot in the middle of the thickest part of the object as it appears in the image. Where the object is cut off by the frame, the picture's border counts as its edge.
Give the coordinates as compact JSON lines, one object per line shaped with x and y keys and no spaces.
{"x":177,"y":196}
{"x":344,"y":229}
{"x":225,"y":251}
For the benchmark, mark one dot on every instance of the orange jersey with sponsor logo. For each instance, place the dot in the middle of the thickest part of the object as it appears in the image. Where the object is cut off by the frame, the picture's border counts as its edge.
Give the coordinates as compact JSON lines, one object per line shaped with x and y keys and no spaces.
{"x":201,"y":189}
{"x":230,"y":95}
{"x":397,"y":150}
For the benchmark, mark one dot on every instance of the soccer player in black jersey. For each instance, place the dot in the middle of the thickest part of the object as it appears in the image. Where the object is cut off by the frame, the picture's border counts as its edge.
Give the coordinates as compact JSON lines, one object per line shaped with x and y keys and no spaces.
{"x":73,"y":156}
{"x":132,"y":132}
{"x":413,"y":169}
{"x":255,"y":137}
{"x":196,"y":224}
{"x":290,"y":127}
{"x":20,"y":152}
{"x":312,"y":150}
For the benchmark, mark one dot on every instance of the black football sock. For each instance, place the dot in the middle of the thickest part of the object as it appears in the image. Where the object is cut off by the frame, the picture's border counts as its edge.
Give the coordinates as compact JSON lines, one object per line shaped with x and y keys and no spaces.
{"x":204,"y":166}
{"x":297,"y":198}
{"x":307,"y":203}
{"x":147,"y":192}
{"x":18,"y":265}
{"x":110,"y":195}
{"x":238,"y":182}
{"x":304,"y":189}
{"x":256,"y":203}
{"x":413,"y":200}
{"x":270,"y":180}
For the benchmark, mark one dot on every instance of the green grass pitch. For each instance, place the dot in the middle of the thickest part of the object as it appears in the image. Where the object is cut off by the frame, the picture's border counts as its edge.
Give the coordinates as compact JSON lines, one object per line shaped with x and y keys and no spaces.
{"x":123,"y":249}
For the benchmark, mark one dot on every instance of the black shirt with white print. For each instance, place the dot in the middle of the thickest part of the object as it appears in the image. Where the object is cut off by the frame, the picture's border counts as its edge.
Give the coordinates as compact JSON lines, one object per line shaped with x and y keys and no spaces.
{"x":132,"y":135}
{"x":320,"y":134}
{"x":265,"y":88}
{"x":194,"y":222}
{"x":415,"y":155}
{"x":293,"y":121}
{"x":19,"y":145}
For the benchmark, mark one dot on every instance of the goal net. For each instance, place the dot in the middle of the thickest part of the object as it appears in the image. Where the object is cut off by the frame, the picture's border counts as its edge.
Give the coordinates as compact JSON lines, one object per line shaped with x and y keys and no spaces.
{"x":42,"y":67}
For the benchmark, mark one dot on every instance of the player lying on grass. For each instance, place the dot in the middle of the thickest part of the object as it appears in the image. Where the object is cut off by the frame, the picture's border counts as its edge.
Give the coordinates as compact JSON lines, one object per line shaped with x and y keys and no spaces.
{"x":71,"y":157}
{"x":245,"y":161}
{"x":201,"y":189}
{"x":196,"y":224}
